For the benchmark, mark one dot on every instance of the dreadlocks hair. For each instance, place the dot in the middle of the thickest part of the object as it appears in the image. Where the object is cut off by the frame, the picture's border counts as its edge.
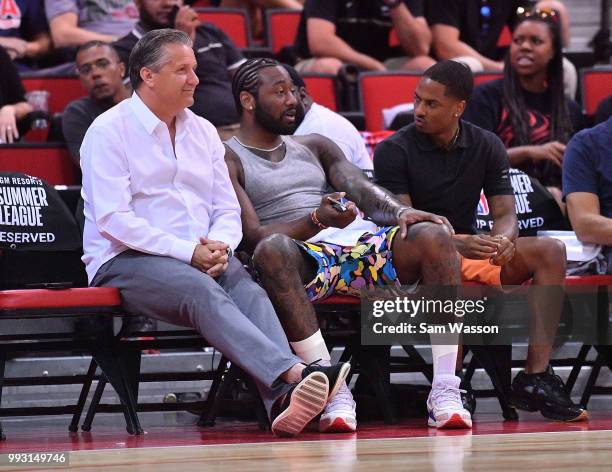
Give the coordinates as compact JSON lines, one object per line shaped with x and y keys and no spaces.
{"x":247,"y":78}
{"x":514,"y":95}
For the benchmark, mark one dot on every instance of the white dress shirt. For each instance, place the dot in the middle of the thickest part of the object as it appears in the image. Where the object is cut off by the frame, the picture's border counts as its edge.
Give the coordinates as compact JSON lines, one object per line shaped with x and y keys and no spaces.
{"x":341,"y":131}
{"x":142,"y":194}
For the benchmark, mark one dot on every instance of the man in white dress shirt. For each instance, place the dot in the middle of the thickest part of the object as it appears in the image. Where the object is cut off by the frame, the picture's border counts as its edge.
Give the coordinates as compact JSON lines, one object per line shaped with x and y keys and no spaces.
{"x":162,"y":220}
{"x":310,"y":117}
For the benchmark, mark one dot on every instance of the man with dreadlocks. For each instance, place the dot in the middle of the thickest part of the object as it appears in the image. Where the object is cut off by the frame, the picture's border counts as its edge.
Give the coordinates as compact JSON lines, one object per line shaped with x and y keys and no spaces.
{"x":305,"y":248}
{"x":440,"y":163}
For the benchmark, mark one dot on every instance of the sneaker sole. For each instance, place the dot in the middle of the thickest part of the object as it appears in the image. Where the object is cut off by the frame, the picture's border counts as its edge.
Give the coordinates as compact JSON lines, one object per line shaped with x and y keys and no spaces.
{"x":307,"y":400}
{"x":454,"y":422}
{"x":583,"y":416}
{"x":339,"y":425}
{"x":344,"y":371}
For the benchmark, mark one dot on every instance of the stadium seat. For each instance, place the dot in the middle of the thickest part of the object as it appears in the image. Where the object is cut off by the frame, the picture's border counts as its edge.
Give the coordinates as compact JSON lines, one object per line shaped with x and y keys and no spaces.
{"x":232,"y":21}
{"x":380,"y":90}
{"x":50,"y":162}
{"x":281,"y":27}
{"x":596,"y":85}
{"x":201,"y":4}
{"x":62,"y":90}
{"x":482,"y":77}
{"x":322,"y":88}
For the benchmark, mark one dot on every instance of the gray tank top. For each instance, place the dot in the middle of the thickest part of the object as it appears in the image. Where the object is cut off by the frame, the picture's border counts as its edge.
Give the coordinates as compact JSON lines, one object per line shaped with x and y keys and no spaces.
{"x":282,"y":191}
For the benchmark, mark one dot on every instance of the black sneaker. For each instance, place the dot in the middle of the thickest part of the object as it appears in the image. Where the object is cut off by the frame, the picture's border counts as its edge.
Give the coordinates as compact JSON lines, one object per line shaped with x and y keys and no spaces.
{"x":300,"y":405}
{"x":545,"y":392}
{"x":467,"y":394}
{"x":336,"y":374}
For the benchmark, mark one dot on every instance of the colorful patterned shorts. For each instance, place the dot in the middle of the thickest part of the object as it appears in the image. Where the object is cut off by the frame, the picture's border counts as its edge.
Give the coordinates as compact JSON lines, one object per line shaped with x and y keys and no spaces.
{"x":345,"y":270}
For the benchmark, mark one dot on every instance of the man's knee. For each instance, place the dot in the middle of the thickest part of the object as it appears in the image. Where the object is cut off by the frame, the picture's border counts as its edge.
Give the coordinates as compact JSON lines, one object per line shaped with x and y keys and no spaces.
{"x":273,"y":250}
{"x":431,"y":237}
{"x":551,"y":252}
{"x":325,"y":65}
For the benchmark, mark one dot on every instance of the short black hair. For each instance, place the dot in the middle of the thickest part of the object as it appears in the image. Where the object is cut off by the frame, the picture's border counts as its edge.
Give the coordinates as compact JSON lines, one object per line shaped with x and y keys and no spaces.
{"x":97,"y":43}
{"x":247,"y":78}
{"x":297,"y":79}
{"x":150,"y":51}
{"x":455,"y":76}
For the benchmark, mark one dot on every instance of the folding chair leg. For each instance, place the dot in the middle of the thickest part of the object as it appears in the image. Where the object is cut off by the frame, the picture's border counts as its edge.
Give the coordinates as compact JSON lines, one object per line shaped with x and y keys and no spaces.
{"x":414,"y":355}
{"x":213,"y":409}
{"x":2,"y":363}
{"x":588,"y":388}
{"x":91,"y":372}
{"x":213,"y":392}
{"x":114,"y":367}
{"x":262,"y":415}
{"x":374,"y":365}
{"x":95,"y":401}
{"x":497,"y":362}
{"x":576,"y":368}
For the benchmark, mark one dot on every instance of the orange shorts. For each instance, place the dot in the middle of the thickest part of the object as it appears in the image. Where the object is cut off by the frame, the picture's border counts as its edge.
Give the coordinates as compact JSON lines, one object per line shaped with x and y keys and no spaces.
{"x":480,"y":271}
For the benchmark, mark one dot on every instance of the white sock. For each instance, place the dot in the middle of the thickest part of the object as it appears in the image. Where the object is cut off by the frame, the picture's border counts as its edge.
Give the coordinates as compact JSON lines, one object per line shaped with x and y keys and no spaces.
{"x":312,"y":349}
{"x":444,"y":360}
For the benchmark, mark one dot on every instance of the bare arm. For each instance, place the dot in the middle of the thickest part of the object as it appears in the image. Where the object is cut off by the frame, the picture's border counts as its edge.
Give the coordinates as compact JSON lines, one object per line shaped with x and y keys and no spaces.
{"x":413,"y":33}
{"x":65,"y":32}
{"x":448,"y":45}
{"x":376,"y":202}
{"x":586,"y":218}
{"x":323,"y":42}
{"x":503,"y":214}
{"x":40,"y":46}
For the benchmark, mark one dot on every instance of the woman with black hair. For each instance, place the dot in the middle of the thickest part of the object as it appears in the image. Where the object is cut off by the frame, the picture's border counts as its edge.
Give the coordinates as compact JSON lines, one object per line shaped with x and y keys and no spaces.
{"x":13,"y":107}
{"x":527,"y":108}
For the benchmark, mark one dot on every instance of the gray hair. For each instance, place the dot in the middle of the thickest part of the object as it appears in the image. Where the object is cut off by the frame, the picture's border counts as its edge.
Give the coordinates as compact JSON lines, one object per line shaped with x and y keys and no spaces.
{"x":150,"y":52}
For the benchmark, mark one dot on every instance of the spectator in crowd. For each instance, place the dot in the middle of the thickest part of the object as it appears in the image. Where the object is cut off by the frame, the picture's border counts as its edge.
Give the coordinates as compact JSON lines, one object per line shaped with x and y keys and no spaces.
{"x":439,"y":164}
{"x":162,"y":220}
{"x":24,"y":32}
{"x":305,"y":249}
{"x":76,"y":22}
{"x":587,"y":185}
{"x":333,"y":32}
{"x":314,"y":118}
{"x":527,"y":109}
{"x":13,"y":106}
{"x":101,"y":73}
{"x":604,"y":110}
{"x":469,"y":31}
{"x":218,"y":59}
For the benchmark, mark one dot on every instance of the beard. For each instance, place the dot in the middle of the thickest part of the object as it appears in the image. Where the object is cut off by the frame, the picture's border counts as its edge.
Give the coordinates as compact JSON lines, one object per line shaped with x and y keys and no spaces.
{"x":150,"y":22}
{"x":271,"y":124}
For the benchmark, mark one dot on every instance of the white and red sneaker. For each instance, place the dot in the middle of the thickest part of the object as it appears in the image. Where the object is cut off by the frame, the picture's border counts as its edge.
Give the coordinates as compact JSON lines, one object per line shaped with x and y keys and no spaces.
{"x":444,"y":405}
{"x":339,"y":415}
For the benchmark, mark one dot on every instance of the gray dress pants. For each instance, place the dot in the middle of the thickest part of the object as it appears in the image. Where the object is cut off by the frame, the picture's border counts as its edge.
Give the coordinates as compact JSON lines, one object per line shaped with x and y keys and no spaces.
{"x":232,"y":312}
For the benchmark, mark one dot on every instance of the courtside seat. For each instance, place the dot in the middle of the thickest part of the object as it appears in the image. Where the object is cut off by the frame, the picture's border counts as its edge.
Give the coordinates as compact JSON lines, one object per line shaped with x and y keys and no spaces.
{"x":596,"y":85}
{"x":281,"y":27}
{"x":50,"y":162}
{"x":380,"y":90}
{"x":232,"y":21}
{"x":62,"y":89}
{"x":482,"y":77}
{"x":40,"y":302}
{"x":323,"y":89}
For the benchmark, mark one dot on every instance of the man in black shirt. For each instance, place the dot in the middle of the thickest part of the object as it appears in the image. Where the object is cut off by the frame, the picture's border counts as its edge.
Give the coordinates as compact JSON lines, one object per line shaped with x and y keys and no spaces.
{"x":333,"y":32}
{"x":471,"y":28}
{"x":218,"y":59}
{"x":101,"y":73}
{"x":440,"y":164}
